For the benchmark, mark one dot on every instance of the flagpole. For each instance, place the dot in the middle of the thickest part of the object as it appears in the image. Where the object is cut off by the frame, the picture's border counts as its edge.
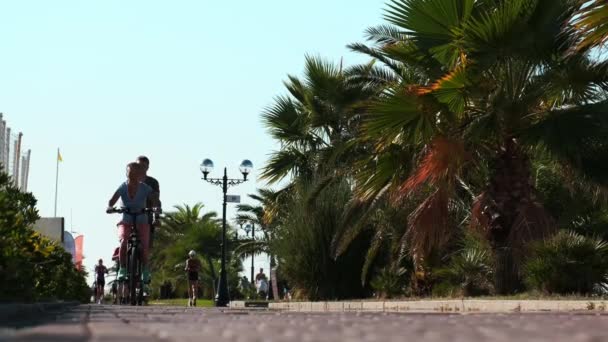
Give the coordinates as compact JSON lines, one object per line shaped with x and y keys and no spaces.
{"x":56,"y":181}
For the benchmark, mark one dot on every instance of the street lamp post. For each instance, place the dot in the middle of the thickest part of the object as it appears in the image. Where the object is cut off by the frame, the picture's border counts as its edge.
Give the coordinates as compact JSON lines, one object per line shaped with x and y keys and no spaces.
{"x":222,"y":298}
{"x":248,"y":228}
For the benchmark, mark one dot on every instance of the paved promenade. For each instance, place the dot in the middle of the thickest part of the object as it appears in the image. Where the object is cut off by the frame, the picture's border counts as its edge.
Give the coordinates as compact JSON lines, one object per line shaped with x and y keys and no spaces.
{"x":114,"y":323}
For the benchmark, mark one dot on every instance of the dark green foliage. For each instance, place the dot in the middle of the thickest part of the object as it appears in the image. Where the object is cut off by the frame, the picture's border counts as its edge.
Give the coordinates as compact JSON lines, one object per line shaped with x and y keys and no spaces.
{"x":184,"y":229}
{"x":568,"y":263}
{"x":390,"y":282}
{"x":469,"y":270}
{"x":303,"y":247}
{"x":471,"y":116}
{"x":32,"y":267}
{"x":469,"y":273}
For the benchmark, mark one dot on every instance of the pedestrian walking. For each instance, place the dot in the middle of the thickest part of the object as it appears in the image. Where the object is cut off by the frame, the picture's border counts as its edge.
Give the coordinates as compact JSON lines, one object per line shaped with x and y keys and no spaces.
{"x":193,"y":266}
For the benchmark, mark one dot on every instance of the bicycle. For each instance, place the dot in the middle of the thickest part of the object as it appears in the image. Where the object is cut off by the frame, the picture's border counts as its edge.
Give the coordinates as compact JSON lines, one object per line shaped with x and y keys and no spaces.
{"x":134,"y":258}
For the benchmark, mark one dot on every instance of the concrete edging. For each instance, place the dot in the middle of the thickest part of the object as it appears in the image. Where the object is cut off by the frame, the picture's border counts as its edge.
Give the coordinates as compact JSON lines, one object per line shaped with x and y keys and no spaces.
{"x":17,"y":311}
{"x":444,"y":306}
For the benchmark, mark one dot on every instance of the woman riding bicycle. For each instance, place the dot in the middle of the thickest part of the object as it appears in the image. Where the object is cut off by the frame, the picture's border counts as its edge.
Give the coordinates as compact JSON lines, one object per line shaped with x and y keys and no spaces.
{"x":133,"y":194}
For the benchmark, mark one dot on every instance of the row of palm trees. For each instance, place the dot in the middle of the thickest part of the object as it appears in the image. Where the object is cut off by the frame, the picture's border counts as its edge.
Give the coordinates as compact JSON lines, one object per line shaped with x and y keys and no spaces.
{"x":445,"y":131}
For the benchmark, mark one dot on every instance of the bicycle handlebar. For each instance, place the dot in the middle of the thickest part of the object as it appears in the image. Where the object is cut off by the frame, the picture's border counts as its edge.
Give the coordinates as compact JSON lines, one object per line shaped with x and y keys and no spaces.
{"x":129,"y":211}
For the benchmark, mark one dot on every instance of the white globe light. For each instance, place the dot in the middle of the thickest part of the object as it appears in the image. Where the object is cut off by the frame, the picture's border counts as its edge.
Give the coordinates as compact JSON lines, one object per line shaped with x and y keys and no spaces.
{"x":206,"y":166}
{"x":246,"y":167}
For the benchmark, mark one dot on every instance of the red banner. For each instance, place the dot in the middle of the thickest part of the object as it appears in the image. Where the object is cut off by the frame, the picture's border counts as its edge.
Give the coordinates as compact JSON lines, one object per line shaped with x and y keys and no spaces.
{"x":78,"y":241}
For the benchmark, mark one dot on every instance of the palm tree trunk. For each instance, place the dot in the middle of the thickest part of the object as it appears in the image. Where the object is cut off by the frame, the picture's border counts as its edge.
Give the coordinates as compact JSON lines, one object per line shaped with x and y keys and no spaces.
{"x":512,"y":215}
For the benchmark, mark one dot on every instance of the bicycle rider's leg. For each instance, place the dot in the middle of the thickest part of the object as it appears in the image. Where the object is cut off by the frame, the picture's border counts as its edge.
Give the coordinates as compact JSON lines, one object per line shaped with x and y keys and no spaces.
{"x":143,"y":231}
{"x":152,"y":228}
{"x":144,"y":236}
{"x":124,"y":230}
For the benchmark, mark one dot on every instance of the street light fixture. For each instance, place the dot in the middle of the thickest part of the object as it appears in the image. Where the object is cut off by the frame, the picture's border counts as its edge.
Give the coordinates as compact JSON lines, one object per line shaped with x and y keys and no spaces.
{"x":222,"y":298}
{"x":251,"y":228}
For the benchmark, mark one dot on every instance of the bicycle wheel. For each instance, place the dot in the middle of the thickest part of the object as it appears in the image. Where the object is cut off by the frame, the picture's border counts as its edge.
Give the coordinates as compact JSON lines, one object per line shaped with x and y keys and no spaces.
{"x":140,"y":282}
{"x":133,"y":274}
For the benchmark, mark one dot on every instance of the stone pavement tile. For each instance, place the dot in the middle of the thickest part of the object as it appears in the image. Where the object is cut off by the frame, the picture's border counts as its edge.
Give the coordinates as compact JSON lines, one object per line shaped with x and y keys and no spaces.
{"x":114,"y":323}
{"x":52,"y":332}
{"x":117,"y":331}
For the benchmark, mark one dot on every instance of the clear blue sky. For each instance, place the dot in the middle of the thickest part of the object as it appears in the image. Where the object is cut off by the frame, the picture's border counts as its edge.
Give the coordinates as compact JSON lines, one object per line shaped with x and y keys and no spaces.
{"x":178,"y":81}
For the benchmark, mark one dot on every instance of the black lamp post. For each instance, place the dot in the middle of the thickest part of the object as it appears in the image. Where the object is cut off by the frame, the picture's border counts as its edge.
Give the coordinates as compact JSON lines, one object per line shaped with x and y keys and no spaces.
{"x":222,"y":298}
{"x":251,"y":228}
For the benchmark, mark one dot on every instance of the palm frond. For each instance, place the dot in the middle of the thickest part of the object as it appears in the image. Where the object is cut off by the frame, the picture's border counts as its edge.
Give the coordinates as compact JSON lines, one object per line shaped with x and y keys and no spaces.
{"x":440,"y":166}
{"x":285,"y":162}
{"x":428,"y":224}
{"x":385,"y":34}
{"x":577,"y":136}
{"x":592,"y":22}
{"x":433,"y":25}
{"x":401,"y":113}
{"x":285,"y":122}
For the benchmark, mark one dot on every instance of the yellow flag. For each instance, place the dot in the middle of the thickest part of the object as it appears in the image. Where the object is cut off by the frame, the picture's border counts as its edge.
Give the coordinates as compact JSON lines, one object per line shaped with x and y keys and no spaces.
{"x":59,"y":156}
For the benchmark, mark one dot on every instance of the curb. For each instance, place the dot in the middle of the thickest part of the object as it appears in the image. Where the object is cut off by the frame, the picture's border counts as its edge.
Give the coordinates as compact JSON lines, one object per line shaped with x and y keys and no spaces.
{"x":441,"y":306}
{"x":245,"y":304}
{"x":19,"y":312}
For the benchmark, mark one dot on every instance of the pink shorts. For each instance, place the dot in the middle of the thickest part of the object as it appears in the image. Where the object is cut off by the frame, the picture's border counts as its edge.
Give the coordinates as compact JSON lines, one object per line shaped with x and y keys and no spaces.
{"x":143,"y":230}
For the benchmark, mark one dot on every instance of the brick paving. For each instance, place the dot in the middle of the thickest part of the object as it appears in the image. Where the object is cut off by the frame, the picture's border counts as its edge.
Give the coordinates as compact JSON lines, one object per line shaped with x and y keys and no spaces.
{"x":123,"y":323}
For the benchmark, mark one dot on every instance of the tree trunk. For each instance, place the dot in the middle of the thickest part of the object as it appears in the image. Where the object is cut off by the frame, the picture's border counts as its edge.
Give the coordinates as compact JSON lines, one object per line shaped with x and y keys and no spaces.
{"x":511,"y":216}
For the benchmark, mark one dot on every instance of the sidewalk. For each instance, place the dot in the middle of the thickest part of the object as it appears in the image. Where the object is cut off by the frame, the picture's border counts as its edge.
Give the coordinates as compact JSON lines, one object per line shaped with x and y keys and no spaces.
{"x":12,"y":312}
{"x":444,"y":306}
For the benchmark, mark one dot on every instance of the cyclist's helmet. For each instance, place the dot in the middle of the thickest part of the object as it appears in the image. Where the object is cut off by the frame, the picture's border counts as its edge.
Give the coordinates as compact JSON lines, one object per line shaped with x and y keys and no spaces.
{"x":192,"y":254}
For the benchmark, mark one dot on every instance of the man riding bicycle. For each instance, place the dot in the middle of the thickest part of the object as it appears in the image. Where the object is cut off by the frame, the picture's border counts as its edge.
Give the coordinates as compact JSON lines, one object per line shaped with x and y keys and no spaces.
{"x":134,"y":195}
{"x":153,"y":219}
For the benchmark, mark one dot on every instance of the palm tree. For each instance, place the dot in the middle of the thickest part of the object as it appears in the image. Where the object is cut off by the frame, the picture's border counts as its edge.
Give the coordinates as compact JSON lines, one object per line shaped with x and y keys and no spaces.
{"x":498,"y":86}
{"x":261,"y":216}
{"x":317,"y":120}
{"x":185,"y":229}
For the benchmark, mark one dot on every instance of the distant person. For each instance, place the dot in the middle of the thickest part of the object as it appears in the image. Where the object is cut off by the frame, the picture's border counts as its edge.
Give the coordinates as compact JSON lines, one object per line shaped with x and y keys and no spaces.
{"x":261,"y":275}
{"x":261,"y":282}
{"x":193,"y":266}
{"x":119,"y":283}
{"x":114,"y":292}
{"x":153,"y":219}
{"x":100,"y":273}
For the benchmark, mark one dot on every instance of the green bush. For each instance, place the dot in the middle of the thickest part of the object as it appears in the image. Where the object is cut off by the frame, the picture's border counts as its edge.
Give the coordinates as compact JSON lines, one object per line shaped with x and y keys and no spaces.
{"x":470,"y":271}
{"x":390,"y":282}
{"x":568,"y":263}
{"x":32,"y":267}
{"x":303,"y":248}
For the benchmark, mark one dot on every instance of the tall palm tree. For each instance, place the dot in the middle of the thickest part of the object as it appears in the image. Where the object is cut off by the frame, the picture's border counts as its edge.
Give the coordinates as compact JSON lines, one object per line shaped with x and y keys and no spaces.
{"x":255,"y":214}
{"x":317,"y":120}
{"x":498,"y":85}
{"x":263,"y":216}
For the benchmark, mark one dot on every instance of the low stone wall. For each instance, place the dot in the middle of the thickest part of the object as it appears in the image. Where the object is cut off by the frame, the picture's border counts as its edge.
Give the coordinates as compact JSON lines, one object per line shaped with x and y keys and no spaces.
{"x":443,"y":306}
